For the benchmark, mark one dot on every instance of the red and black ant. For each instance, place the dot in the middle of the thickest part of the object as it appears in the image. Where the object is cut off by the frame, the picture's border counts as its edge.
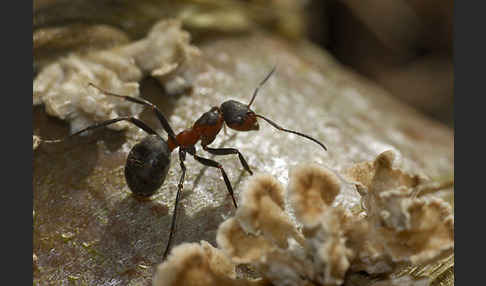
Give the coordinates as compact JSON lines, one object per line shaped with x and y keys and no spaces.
{"x":149,"y":160}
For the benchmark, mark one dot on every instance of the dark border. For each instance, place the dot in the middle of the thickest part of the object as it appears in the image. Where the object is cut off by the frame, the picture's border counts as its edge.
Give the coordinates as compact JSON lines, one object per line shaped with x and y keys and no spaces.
{"x":16,"y":149}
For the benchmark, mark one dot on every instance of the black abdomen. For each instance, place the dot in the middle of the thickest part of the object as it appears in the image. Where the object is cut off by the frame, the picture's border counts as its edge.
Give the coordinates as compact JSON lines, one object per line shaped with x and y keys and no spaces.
{"x":147,"y":165}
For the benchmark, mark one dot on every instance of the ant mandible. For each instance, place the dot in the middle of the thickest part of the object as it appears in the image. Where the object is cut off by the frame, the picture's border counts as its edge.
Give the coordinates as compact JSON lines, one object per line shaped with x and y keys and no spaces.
{"x":149,"y":160}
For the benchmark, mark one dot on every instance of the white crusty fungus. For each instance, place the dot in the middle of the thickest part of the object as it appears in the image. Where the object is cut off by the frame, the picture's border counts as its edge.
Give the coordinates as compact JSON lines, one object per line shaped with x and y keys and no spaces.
{"x":62,"y":86}
{"x":396,"y":229}
{"x":262,"y":211}
{"x":239,"y":245}
{"x":311,"y":190}
{"x":406,"y":229}
{"x":262,"y":234}
{"x":193,"y":264}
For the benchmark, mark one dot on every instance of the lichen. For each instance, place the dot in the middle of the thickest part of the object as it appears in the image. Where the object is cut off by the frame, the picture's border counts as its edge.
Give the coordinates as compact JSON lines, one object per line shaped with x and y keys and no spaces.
{"x":62,"y":86}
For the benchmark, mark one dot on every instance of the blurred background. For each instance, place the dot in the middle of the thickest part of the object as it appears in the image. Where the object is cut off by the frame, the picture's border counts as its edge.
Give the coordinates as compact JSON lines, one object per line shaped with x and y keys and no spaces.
{"x":403,"y":45}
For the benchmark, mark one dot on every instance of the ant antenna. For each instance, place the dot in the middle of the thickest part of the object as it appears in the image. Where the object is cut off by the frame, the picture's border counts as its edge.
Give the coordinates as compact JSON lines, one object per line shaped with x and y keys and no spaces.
{"x":290,"y":131}
{"x":260,"y":85}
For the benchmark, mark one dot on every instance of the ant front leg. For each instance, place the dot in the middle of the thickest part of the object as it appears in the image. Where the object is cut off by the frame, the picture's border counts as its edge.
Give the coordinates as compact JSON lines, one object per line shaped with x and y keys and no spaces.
{"x":182,"y":158}
{"x":229,"y":151}
{"x":211,"y":163}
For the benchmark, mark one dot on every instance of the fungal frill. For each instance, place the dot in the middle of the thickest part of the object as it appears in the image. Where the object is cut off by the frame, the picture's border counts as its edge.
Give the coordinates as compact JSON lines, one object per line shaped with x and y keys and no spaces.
{"x":62,"y":86}
{"x":406,"y":229}
{"x":199,"y":264}
{"x":263,"y":235}
{"x":260,"y":225}
{"x":312,"y":191}
{"x":262,"y":211}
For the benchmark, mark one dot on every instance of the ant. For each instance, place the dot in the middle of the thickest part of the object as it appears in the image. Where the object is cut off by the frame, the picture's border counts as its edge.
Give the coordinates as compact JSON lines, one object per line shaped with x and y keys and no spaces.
{"x":148,"y":161}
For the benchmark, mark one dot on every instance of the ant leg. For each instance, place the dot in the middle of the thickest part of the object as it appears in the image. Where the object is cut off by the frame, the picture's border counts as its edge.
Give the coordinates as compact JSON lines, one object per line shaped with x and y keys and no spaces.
{"x":158,"y":113}
{"x":182,"y":157}
{"x":211,"y":163}
{"x":133,"y":120}
{"x":228,"y":151}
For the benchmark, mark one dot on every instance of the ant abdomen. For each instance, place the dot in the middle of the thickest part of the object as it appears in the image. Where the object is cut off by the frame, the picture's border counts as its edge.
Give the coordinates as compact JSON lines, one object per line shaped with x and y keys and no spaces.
{"x":147,"y":165}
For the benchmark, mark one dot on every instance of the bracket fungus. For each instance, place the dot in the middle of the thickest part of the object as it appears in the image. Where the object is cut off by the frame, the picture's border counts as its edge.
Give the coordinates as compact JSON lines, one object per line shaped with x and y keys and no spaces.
{"x":396,"y":228}
{"x":62,"y":86}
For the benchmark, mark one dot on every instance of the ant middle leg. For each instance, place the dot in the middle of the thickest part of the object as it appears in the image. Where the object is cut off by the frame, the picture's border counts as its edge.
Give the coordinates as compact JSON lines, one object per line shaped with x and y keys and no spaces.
{"x":229,"y":151}
{"x":182,"y":157}
{"x":211,"y":163}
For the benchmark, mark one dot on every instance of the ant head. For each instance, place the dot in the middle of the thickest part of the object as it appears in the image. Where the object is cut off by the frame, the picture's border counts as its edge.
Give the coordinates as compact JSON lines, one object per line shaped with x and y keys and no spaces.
{"x":239,"y":116}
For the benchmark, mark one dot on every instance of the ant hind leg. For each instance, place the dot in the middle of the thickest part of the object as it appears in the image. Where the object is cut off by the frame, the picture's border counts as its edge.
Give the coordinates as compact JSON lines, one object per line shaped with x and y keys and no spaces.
{"x":131,"y":119}
{"x":182,"y":157}
{"x":158,"y":113}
